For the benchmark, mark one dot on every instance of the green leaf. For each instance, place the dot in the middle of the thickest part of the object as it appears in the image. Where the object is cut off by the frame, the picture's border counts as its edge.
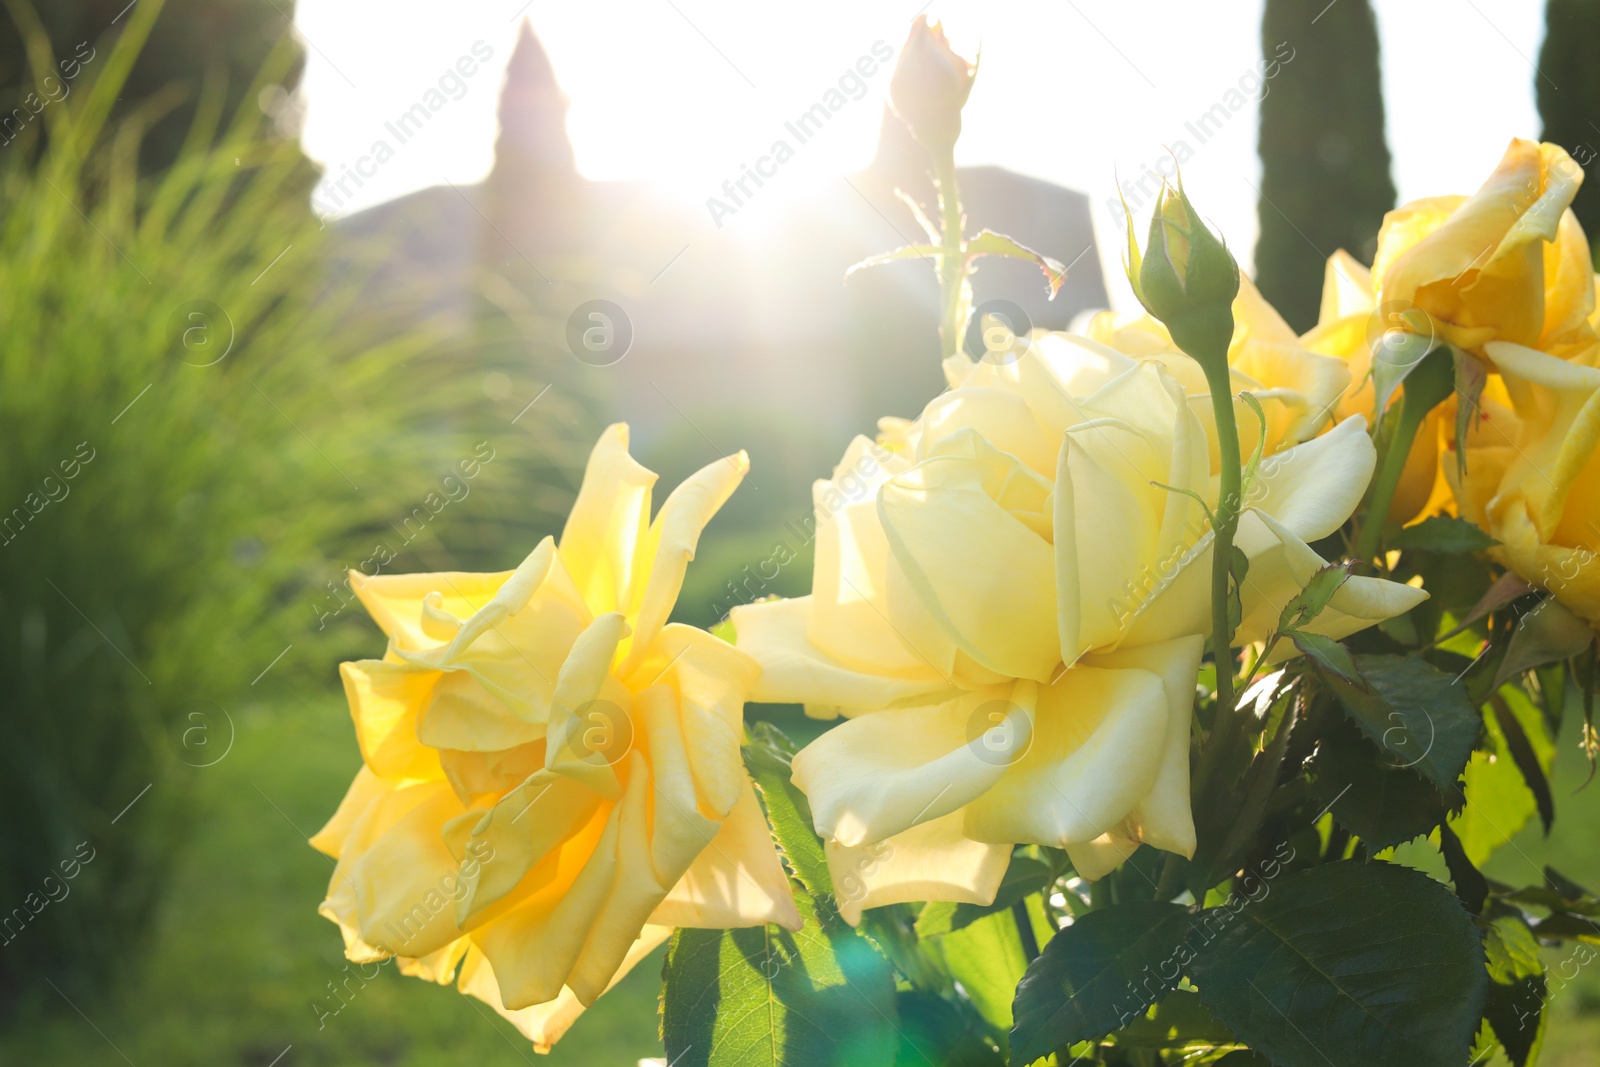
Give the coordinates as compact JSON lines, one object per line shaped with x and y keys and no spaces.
{"x":1472,"y":374}
{"x":989,"y":243}
{"x":1349,"y":963}
{"x":764,"y":997}
{"x":1520,"y":745}
{"x":1179,"y":1021}
{"x":928,"y":252}
{"x":1515,"y":1005}
{"x":1511,"y":951}
{"x":1515,"y":1012}
{"x":1443,"y":533}
{"x":1307,"y":604}
{"x":933,"y":1034}
{"x":1380,"y":804}
{"x":1414,"y":711}
{"x":1237,"y":572}
{"x":986,"y":958}
{"x":767,"y":756}
{"x":1022,"y":877}
{"x":1548,"y":633}
{"x":1329,"y":655}
{"x":1498,"y":805}
{"x":1472,"y":889}
{"x":1098,"y":975}
{"x":1394,"y":358}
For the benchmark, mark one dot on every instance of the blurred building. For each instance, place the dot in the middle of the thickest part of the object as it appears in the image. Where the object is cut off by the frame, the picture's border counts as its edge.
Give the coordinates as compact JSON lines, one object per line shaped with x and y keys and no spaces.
{"x":736,"y":341}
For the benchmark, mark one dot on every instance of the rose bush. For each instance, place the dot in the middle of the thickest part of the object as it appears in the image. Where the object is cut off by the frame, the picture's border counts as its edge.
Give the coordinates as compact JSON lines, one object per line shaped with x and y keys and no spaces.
{"x":1012,"y":618}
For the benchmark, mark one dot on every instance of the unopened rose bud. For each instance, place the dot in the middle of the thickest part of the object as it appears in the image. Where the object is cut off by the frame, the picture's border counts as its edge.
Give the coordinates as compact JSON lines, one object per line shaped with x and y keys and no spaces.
{"x":930,"y":86}
{"x":1187,"y":278}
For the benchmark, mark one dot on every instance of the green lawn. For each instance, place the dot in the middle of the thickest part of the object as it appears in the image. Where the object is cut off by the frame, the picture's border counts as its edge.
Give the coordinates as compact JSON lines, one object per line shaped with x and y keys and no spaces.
{"x":241,"y":961}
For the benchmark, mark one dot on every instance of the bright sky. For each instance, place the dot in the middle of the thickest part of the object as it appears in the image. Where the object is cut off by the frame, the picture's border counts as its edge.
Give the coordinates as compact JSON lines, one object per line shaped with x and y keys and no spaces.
{"x":1074,"y":91}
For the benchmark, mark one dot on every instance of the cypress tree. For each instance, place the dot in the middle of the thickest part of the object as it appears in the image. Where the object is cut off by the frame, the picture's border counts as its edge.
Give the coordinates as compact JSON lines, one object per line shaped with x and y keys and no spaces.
{"x":1567,"y":84}
{"x":1325,"y":181}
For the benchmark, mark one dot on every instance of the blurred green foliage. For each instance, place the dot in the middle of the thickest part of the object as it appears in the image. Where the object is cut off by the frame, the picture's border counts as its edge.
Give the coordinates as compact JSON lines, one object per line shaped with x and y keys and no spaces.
{"x":199,"y":46}
{"x":201,"y":432}
{"x":1566,"y":84}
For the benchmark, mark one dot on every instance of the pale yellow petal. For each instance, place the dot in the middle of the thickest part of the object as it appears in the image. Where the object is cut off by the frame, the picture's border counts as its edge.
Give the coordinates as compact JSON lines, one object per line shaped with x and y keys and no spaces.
{"x":978,"y":504}
{"x":877,"y":775}
{"x":406,"y":881}
{"x":1163,"y":818}
{"x":776,"y":635}
{"x":712,"y":679}
{"x":1098,"y":741}
{"x":395,"y":602}
{"x":1095,"y":859}
{"x":934,"y":860}
{"x":670,"y":544}
{"x":737,"y":881}
{"x":385,"y":700}
{"x":544,"y":1024}
{"x":608,"y":521}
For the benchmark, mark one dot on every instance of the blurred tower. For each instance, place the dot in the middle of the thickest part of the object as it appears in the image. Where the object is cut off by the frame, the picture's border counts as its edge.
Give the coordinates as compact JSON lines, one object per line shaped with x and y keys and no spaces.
{"x":535,"y":199}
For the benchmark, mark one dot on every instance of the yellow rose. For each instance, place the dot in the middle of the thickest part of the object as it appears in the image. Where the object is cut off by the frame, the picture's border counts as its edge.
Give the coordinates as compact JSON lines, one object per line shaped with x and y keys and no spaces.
{"x":1299,"y":389}
{"x":1011,"y":614}
{"x":1509,"y":263}
{"x":1532,"y":478}
{"x":552,"y":776}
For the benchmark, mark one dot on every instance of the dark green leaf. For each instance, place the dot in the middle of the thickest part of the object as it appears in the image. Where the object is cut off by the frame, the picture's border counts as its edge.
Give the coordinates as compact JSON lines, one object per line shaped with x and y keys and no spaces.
{"x":1443,"y":533}
{"x":1472,"y":374}
{"x":1516,"y":1014}
{"x":1024,"y":876}
{"x":1560,"y":883}
{"x":1471,"y":887}
{"x":1098,"y":975}
{"x":1415,"y":712}
{"x":1349,"y":963}
{"x":764,"y":997}
{"x":1515,"y":1006}
{"x":1237,"y":572}
{"x":767,"y":756}
{"x":1547,"y":633}
{"x":1179,"y":1021}
{"x":933,"y":1034}
{"x":1381,"y":804}
{"x":1327,"y":654}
